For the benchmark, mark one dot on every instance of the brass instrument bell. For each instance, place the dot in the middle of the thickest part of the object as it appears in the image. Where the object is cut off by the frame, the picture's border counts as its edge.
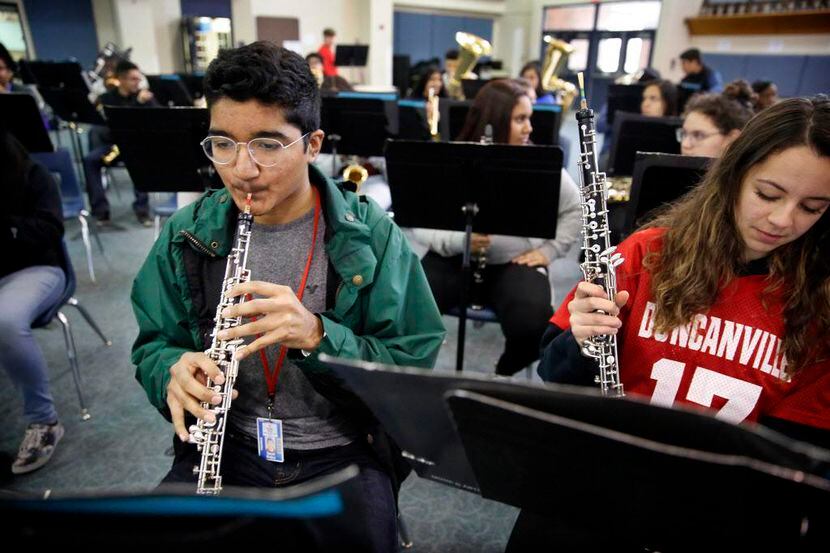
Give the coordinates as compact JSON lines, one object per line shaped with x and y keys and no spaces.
{"x":356,"y":174}
{"x":471,"y":47}
{"x":556,"y":59}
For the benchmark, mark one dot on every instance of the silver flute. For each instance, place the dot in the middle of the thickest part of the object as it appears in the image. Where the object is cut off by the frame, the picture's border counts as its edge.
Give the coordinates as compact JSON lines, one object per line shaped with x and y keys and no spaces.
{"x":601,"y":258}
{"x":209,"y":437}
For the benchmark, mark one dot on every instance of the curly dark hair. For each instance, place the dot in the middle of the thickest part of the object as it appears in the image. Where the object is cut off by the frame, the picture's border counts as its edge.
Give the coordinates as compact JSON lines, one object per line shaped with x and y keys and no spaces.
{"x":726,"y":112}
{"x":271,"y":75}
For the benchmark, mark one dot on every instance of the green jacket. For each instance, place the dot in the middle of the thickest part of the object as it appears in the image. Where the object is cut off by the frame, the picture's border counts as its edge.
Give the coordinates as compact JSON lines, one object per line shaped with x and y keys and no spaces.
{"x":381,"y":306}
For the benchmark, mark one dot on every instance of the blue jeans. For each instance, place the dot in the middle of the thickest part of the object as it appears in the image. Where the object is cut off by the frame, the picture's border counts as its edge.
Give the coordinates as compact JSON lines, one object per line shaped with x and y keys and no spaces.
{"x":25,"y":295}
{"x":370,"y":525}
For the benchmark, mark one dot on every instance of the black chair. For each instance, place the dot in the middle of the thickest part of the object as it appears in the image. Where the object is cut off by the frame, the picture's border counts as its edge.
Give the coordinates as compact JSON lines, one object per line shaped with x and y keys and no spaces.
{"x":55,"y":312}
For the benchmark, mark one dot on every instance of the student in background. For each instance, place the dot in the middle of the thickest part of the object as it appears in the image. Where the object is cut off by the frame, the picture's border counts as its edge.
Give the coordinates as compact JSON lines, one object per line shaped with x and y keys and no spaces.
{"x":31,"y":282}
{"x":711,"y":122}
{"x":334,"y":83}
{"x":532,"y":72}
{"x":659,"y":99}
{"x":767,"y":92}
{"x":698,"y":76}
{"x":326,"y":52}
{"x":8,"y":67}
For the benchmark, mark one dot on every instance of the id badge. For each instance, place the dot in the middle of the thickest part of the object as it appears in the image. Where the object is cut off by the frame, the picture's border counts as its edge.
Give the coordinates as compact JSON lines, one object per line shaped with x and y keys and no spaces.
{"x":269,"y":439}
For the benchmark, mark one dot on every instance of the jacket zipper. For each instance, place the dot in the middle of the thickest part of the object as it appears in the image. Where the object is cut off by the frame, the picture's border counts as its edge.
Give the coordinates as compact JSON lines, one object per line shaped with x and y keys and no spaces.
{"x":196,"y":243}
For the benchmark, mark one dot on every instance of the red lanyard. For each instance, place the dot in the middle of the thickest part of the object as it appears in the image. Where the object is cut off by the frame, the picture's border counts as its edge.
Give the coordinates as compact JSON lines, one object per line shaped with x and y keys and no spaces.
{"x":271,"y":377}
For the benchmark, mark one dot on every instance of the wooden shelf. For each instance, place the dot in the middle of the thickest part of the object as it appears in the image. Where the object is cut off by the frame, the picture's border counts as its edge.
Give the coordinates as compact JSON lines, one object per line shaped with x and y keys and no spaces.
{"x":801,"y":22}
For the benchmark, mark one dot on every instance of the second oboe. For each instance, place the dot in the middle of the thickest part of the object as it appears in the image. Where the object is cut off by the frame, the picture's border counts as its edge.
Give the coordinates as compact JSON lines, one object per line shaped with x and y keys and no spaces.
{"x":601,"y":258}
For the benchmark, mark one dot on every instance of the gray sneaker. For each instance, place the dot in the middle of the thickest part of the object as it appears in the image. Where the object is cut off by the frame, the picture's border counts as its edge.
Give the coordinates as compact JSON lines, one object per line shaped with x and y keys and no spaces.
{"x":37,"y":447}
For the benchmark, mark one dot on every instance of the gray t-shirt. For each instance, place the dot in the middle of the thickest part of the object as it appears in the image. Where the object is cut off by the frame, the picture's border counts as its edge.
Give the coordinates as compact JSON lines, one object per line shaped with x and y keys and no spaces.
{"x":278,"y":254}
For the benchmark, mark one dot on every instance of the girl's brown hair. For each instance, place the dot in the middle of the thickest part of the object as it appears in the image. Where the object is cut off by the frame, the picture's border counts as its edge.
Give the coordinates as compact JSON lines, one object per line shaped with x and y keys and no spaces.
{"x":493,"y":105}
{"x":701,"y":254}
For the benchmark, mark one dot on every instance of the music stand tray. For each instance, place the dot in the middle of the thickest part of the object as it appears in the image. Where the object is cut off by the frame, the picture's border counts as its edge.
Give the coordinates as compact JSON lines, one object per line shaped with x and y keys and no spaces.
{"x":347,"y":55}
{"x":663,"y":478}
{"x":358,"y":125}
{"x":22,"y":118}
{"x":660,"y":179}
{"x":172,"y":516}
{"x":545,"y":120}
{"x":169,"y":90}
{"x":496,"y":177}
{"x":161,"y":147}
{"x":640,"y":133}
{"x":623,"y":98}
{"x":409,"y":403}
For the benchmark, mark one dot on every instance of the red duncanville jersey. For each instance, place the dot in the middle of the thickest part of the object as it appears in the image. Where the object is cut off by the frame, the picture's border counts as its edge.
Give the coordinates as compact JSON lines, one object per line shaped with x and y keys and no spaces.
{"x":728,"y":359}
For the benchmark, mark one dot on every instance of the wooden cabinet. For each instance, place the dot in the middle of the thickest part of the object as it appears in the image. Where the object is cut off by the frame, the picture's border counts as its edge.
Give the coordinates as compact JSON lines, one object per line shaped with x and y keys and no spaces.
{"x":799,"y":22}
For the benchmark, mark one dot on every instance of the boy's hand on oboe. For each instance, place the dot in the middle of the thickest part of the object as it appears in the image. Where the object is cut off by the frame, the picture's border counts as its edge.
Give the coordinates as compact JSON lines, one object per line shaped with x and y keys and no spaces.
{"x":280,"y":319}
{"x":187,"y":389}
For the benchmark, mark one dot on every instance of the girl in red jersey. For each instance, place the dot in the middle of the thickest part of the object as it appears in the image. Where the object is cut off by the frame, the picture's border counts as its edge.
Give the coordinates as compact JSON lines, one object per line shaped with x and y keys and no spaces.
{"x":724,"y":299}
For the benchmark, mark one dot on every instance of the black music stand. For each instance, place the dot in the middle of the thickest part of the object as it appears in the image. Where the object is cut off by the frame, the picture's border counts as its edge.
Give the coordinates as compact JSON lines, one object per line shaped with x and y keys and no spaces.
{"x":640,"y":133}
{"x":169,"y":90}
{"x":660,"y":179}
{"x":453,"y":116}
{"x":195,"y":83}
{"x":303,"y":517}
{"x":472,"y":181}
{"x":472,"y":86}
{"x":22,"y":118}
{"x":624,"y":473}
{"x":412,"y":120}
{"x":623,"y":97}
{"x":410,"y":405}
{"x":546,"y":120}
{"x":351,"y":55}
{"x":161,"y":147}
{"x":357,"y":124}
{"x":63,"y":87}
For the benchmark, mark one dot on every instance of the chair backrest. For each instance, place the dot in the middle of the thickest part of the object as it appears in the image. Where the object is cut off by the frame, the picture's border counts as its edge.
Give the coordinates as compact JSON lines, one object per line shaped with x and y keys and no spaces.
{"x":68,"y":289}
{"x":60,"y":162}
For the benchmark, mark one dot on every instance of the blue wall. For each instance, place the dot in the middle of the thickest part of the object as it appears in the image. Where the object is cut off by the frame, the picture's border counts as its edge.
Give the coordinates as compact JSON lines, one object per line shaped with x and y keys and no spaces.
{"x":206,"y":8}
{"x":794,"y":75}
{"x":423,"y":36}
{"x":63,"y":30}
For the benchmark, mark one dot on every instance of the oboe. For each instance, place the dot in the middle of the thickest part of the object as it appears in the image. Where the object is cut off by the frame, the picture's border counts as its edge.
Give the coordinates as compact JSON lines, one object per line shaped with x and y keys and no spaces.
{"x":477,"y":289}
{"x":601,"y":258}
{"x":210,"y":436}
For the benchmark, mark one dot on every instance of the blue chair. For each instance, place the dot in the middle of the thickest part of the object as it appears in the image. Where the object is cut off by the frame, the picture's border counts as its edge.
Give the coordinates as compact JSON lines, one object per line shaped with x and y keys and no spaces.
{"x":59,"y":163}
{"x":163,"y":209}
{"x":54,"y":312}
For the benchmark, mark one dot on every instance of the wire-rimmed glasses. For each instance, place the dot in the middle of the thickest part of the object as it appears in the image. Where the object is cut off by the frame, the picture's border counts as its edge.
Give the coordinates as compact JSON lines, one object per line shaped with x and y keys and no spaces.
{"x":693,"y":136}
{"x":264,"y":151}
